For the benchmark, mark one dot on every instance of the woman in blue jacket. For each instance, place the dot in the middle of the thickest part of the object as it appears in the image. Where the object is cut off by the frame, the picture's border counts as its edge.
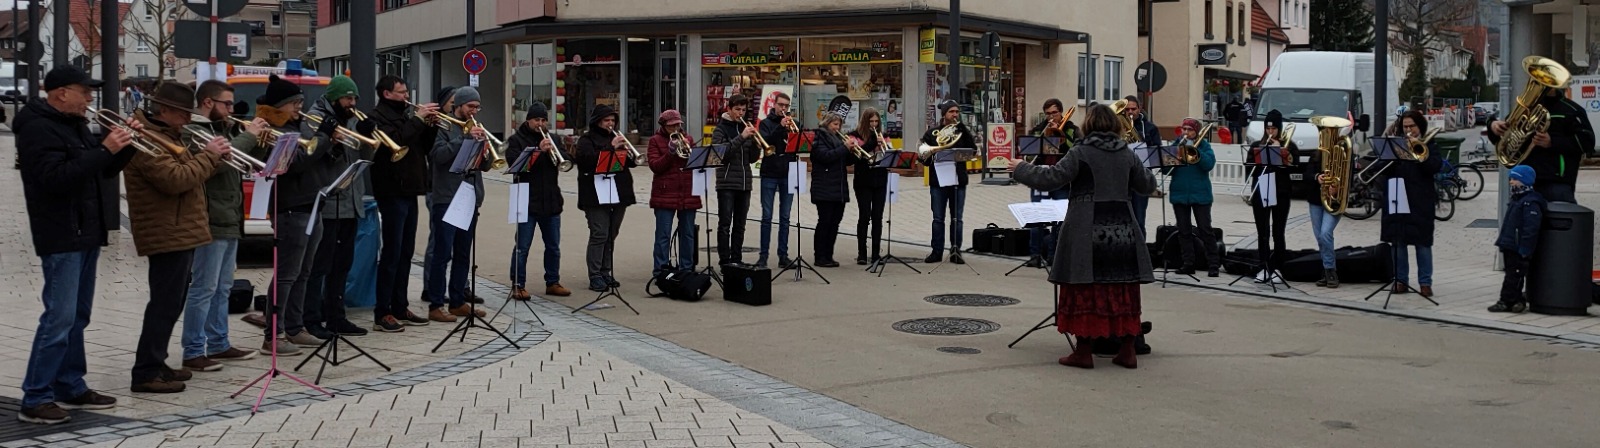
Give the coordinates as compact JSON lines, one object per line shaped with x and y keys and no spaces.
{"x":1191,"y":196}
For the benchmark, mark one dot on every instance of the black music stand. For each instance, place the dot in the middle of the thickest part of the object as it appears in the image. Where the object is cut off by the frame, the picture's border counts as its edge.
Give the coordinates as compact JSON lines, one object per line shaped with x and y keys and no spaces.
{"x":331,"y":345}
{"x":1162,"y":158}
{"x":1261,"y":158}
{"x":610,"y":163}
{"x":701,"y":161}
{"x":1048,"y":321}
{"x":1049,"y":226}
{"x":283,"y":153}
{"x":470,"y":163}
{"x":523,"y":164}
{"x":1397,"y":203}
{"x":798,"y":264}
{"x":892,"y":160}
{"x":958,"y":157}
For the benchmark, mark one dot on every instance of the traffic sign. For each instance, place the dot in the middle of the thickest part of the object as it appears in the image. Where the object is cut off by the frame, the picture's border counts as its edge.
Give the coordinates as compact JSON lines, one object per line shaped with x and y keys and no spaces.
{"x":225,"y":8}
{"x":1150,"y":77}
{"x":190,"y":40}
{"x":474,"y":61}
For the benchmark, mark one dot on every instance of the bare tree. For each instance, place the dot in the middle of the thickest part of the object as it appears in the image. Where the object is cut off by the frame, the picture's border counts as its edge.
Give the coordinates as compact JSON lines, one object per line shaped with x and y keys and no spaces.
{"x":1423,"y":22}
{"x":160,"y":33}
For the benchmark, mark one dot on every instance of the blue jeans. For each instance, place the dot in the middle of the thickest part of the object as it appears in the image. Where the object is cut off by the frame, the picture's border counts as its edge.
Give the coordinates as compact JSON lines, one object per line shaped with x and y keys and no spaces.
{"x":57,"y":364}
{"x":1140,"y":203}
{"x":205,"y":314}
{"x":1424,"y":265}
{"x":549,"y":227}
{"x":686,"y":239}
{"x":1322,"y":224}
{"x":769,"y":189}
{"x":1042,"y":240}
{"x":453,"y":247}
{"x":954,"y":199}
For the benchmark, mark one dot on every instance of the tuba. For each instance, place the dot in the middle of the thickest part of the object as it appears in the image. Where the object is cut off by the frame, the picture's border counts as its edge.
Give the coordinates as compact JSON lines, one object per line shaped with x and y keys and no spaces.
{"x":1127,"y":122}
{"x":1336,"y":151}
{"x":1189,"y":150}
{"x":1528,"y":117}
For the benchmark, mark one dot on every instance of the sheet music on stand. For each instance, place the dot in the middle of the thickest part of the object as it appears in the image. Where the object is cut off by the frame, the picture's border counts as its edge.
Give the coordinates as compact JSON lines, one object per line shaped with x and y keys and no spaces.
{"x":283,"y":152}
{"x":341,"y":183}
{"x":797,"y":179}
{"x":1399,"y":203}
{"x":1265,"y":155}
{"x":517,"y":205}
{"x":896,"y":159}
{"x":1042,"y":212}
{"x":706,"y":157}
{"x":892,"y":192}
{"x":524,"y":162}
{"x":1156,"y":156}
{"x":947,"y":162}
{"x":1388,"y":148}
{"x":467,"y":157}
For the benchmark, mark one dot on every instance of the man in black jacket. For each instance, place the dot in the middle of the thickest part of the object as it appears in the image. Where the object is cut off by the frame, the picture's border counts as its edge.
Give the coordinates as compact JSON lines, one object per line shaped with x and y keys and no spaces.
{"x":69,"y":181}
{"x":1557,"y":152}
{"x":775,"y":179}
{"x":1150,"y":135}
{"x":397,"y":181}
{"x":733,"y":178}
{"x":946,"y":195}
{"x":544,"y":203}
{"x":604,"y":210}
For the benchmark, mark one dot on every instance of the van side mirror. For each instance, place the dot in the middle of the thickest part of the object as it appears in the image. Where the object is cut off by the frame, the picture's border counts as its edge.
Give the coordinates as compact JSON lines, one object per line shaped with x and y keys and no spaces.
{"x":241,"y":109}
{"x":1363,"y":122}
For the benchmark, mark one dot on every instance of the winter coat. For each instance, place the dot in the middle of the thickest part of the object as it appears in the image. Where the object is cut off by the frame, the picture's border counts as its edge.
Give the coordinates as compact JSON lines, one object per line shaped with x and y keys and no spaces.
{"x":741,"y":153}
{"x":409,"y":176}
{"x":869,"y":178}
{"x":1279,"y":172}
{"x":346,"y":203}
{"x":828,"y":159}
{"x":776,"y":166}
{"x":1191,"y":184}
{"x":446,"y":145}
{"x":225,"y":188}
{"x":593,"y":142}
{"x":1520,"y":230}
{"x":1104,"y":175}
{"x":68,"y":180}
{"x":964,"y":142}
{"x":1570,"y":137}
{"x":167,"y":207}
{"x":544,"y":190}
{"x":1415,"y":228}
{"x":297,"y":188}
{"x":1149,"y":133}
{"x":672,"y":187}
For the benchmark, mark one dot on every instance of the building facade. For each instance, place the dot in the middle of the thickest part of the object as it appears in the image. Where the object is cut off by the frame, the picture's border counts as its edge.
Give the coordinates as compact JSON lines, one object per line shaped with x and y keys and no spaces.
{"x":643,"y":57}
{"x":1204,"y":45}
{"x":1276,"y":26}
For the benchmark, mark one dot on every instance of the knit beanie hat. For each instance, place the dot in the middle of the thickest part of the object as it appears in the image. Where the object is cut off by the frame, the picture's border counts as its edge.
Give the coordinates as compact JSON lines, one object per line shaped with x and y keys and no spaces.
{"x":1524,"y":174}
{"x":341,"y":86}
{"x":1190,"y":123}
{"x":444,"y":95}
{"x":1275,"y":119}
{"x":537,"y":110}
{"x":670,"y":117}
{"x":280,"y":92}
{"x":466,"y":94}
{"x":946,"y":105}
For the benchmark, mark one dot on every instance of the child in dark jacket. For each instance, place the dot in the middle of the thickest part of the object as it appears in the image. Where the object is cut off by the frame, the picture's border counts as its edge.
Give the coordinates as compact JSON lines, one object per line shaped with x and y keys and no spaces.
{"x":1519,"y":235}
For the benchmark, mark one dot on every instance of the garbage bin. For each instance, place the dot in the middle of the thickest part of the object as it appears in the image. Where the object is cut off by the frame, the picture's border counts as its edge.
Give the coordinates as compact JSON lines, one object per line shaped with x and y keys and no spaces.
{"x":1449,"y":148}
{"x":1559,"y":278}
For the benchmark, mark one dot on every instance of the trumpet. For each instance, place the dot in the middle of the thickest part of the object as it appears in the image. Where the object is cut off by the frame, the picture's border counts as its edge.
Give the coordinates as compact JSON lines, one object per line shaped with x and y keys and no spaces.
{"x":495,"y":146}
{"x":1127,"y":122}
{"x":241,"y":162}
{"x":433,"y":120}
{"x":632,"y":151}
{"x":555,"y":156}
{"x":790,"y":124}
{"x":149,"y":142}
{"x":345,"y":135}
{"x":269,"y":136}
{"x":397,"y":152}
{"x":766,"y":148}
{"x":680,"y":145}
{"x":854,"y":145}
{"x":1189,"y":150}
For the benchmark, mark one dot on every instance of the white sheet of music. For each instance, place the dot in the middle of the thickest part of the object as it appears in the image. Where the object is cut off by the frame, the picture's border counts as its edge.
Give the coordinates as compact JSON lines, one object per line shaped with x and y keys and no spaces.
{"x":946,"y":173}
{"x":462,"y":207}
{"x":1399,"y":204}
{"x":605,"y":189}
{"x":892,"y":193}
{"x":797,"y":179}
{"x":517,"y":206}
{"x":1038,"y":212}
{"x":261,"y":198}
{"x":1267,"y":187}
{"x":701,"y":177}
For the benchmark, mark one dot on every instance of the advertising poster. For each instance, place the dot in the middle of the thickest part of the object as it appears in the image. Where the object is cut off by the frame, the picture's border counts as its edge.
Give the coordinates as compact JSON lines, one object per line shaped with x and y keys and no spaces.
{"x":769,"y":97}
{"x":893,"y":119}
{"x":860,"y":76}
{"x":1001,"y":143}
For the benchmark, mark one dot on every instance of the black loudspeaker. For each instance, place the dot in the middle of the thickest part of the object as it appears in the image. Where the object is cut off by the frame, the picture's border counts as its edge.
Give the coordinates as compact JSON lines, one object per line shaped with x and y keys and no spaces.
{"x":747,"y":284}
{"x":983,"y":238}
{"x":240,"y":295}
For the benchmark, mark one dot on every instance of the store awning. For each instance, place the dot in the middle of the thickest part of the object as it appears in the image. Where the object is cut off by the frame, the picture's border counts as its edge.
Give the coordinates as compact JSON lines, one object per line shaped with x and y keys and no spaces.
{"x":855,"y":20}
{"x":1230,"y":74}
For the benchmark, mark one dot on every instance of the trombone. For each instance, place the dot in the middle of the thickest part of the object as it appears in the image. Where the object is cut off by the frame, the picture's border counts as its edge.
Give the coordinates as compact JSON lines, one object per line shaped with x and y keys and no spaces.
{"x":397,"y":152}
{"x":241,"y":162}
{"x":1061,"y":128}
{"x":149,"y":142}
{"x":556,"y":156}
{"x":1416,"y":151}
{"x":345,"y":136}
{"x":1189,"y":150}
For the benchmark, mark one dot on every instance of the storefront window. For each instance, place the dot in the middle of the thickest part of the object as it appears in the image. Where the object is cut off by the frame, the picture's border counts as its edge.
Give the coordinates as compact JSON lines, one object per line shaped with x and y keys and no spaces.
{"x":854,"y":71}
{"x":533,"y":79}
{"x":752,"y":67}
{"x":975,"y":71}
{"x":589,"y":75}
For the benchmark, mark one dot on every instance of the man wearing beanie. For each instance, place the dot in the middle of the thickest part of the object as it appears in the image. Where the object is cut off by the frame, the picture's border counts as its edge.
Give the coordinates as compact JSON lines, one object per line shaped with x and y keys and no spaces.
{"x":954,"y":196}
{"x":340,"y":213}
{"x":294,"y":198}
{"x":604,"y":216}
{"x":168,"y":218}
{"x":396,"y":184}
{"x":445,"y":99}
{"x":775,"y":179}
{"x":453,"y":246}
{"x":1519,"y":236}
{"x":544,"y":203}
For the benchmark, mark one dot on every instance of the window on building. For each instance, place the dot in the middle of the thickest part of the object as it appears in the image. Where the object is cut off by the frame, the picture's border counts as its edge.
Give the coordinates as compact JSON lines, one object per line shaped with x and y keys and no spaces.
{"x":1209,"y":19}
{"x":142,"y":69}
{"x":393,"y":4}
{"x":1227,"y":19}
{"x":1144,"y":17}
{"x":274,"y":55}
{"x":1244,"y":27}
{"x":142,"y":47}
{"x":341,"y":11}
{"x":1113,"y":78}
{"x":277,"y":19}
{"x":149,"y":16}
{"x":1085,"y":63}
{"x":172,"y":72}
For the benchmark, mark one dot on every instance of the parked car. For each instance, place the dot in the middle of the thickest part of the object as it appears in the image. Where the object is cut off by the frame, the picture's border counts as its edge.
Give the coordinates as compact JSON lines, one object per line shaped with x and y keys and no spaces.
{"x":1482,"y":116}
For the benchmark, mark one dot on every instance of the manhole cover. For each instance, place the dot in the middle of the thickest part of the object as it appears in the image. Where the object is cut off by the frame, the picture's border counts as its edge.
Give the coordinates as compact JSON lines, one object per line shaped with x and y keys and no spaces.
{"x":960,"y":350}
{"x":946,"y":326}
{"x":971,"y":300}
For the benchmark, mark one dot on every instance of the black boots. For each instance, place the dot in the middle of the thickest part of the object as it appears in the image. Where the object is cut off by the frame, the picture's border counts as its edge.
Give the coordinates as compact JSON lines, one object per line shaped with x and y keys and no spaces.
{"x":1330,"y":278}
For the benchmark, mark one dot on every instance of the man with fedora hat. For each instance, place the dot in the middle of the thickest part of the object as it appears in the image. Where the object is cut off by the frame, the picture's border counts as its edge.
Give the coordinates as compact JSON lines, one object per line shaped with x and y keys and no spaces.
{"x":69,"y":184}
{"x":168,"y":216}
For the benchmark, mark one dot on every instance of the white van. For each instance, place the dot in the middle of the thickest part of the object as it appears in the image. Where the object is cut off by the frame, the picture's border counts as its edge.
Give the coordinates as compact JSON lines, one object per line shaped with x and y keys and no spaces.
{"x":1303,"y":84}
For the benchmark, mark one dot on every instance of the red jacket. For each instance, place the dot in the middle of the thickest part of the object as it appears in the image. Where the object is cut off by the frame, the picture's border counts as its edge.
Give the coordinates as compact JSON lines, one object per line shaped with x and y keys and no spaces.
{"x":671,"y":188}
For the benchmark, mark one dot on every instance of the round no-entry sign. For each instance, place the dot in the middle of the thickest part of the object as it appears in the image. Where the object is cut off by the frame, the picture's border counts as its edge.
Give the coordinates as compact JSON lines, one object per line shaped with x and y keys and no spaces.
{"x":474,"y":61}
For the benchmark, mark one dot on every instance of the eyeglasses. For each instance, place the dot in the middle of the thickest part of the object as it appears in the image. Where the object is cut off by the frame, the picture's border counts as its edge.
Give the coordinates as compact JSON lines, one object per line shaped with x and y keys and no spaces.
{"x":783,"y":105}
{"x":1053,"y":112}
{"x":228,"y":103}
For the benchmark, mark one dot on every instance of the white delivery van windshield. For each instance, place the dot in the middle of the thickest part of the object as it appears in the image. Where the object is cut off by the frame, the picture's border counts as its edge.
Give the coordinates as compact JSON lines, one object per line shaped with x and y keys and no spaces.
{"x":1299,"y":105}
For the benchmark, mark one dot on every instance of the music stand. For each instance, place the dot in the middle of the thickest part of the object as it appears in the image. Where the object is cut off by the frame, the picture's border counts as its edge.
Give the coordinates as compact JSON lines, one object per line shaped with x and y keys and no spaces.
{"x":1262,"y":158}
{"x":1028,"y":145}
{"x":1163,"y":159}
{"x":283,"y":153}
{"x":798,"y":264}
{"x":1397,"y":203}
{"x":523,"y":164}
{"x":609,"y":163}
{"x":472,"y":153}
{"x":1048,"y":321}
{"x":957,"y":159}
{"x":892,"y":160}
{"x":1036,"y":213}
{"x":1038,"y":148}
{"x":701,"y":161}
{"x":331,"y":345}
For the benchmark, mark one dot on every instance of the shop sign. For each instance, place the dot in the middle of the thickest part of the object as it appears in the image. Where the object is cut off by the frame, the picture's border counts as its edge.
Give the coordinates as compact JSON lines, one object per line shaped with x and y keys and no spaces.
{"x":716,"y":58}
{"x":775,"y":51}
{"x":749,"y":59}
{"x":849,"y":56}
{"x":927,"y":37}
{"x":882,"y":47}
{"x":1211,"y":54}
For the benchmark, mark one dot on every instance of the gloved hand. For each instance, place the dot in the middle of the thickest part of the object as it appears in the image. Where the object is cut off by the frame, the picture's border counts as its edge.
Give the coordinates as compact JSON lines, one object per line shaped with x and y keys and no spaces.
{"x":328,"y":126}
{"x":366,"y":127}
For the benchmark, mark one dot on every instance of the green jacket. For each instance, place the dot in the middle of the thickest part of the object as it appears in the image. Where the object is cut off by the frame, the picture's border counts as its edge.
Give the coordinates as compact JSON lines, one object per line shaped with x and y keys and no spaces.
{"x":225,"y":188}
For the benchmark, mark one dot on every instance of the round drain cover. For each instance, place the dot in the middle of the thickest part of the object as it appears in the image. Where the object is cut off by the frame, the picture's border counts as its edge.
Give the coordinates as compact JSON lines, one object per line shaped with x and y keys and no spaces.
{"x":946,"y":326}
{"x":971,"y":300}
{"x":960,"y":350}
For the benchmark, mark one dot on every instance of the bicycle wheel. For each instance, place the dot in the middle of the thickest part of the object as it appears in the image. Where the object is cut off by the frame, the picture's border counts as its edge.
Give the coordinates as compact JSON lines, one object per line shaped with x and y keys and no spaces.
{"x":1444,"y":210}
{"x":1363,"y":205}
{"x":1471,"y":181}
{"x":1447,"y":189}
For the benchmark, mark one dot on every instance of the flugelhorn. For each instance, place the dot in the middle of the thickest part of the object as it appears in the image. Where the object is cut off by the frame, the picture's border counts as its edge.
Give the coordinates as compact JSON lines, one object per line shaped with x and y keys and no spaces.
{"x":766,"y":148}
{"x":1334,"y":179}
{"x":555,"y":155}
{"x":346,"y":136}
{"x":1127,"y":122}
{"x":854,"y":145}
{"x":397,"y":152}
{"x":495,"y":147}
{"x":1528,"y":117}
{"x":201,"y":136}
{"x":680,"y":144}
{"x":149,"y":142}
{"x":432,"y":120}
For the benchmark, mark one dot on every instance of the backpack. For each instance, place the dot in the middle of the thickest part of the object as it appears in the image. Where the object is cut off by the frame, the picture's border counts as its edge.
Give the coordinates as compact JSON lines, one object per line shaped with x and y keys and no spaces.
{"x":682,"y":284}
